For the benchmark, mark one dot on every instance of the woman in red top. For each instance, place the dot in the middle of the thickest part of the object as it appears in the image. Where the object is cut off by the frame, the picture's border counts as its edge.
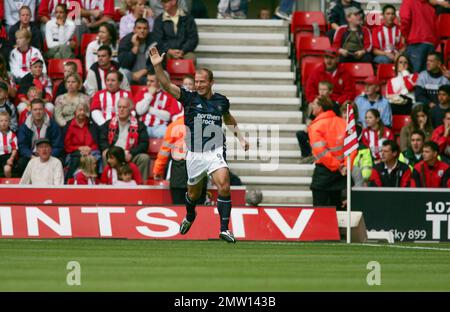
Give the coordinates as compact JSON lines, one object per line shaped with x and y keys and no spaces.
{"x":115,"y":157}
{"x":80,"y":139}
{"x":375,"y":133}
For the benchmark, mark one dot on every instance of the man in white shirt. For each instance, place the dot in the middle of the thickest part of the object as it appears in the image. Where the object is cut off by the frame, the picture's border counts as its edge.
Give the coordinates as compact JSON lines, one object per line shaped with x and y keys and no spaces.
{"x":45,"y":169}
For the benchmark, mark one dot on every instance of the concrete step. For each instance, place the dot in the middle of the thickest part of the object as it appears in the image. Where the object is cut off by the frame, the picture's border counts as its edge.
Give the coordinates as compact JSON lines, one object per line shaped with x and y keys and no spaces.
{"x":242,"y":26}
{"x":250,"y":116}
{"x":246,"y":39}
{"x":258,"y":52}
{"x":269,"y":153}
{"x":246,"y":77}
{"x":264,"y":139}
{"x":282,"y":170}
{"x":246,"y":64}
{"x":266,"y":103}
{"x":293,"y":197}
{"x":256,"y":90}
{"x":263,"y":180}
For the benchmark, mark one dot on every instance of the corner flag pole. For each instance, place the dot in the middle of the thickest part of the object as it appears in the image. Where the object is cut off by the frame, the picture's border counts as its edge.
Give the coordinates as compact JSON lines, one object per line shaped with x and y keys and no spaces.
{"x":349,"y":192}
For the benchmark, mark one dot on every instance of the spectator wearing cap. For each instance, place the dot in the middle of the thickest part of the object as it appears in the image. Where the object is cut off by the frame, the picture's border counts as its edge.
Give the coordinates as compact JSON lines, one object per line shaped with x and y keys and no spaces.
{"x":44,"y":169}
{"x":430,"y":80}
{"x":390,"y":172}
{"x":59,"y":33}
{"x":373,"y":99}
{"x":20,"y":57}
{"x":37,"y":78}
{"x":336,"y":14}
{"x":441,"y":135}
{"x":26,"y":23}
{"x":7,"y":106}
{"x":419,"y":27}
{"x":354,"y":41}
{"x":388,"y":42}
{"x":38,"y":125}
{"x":438,"y":112}
{"x":342,"y":81}
{"x":431,"y":172}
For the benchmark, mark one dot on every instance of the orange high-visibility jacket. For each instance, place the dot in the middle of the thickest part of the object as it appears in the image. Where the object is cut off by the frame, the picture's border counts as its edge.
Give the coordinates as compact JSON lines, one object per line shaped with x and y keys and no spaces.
{"x":326,"y":135}
{"x":173,"y":145}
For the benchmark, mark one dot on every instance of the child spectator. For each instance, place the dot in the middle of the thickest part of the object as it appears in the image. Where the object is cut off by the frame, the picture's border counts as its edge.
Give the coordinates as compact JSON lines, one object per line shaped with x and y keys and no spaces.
{"x":7,"y":106}
{"x":24,"y":107}
{"x":125,"y":176}
{"x":86,"y":174}
{"x":420,"y":120}
{"x":69,"y":68}
{"x":375,"y":133}
{"x":8,"y":146}
{"x":336,"y":14}
{"x":373,"y":99}
{"x":264,"y":13}
{"x":189,"y":82}
{"x":438,"y":112}
{"x":431,"y":172}
{"x":38,"y":79}
{"x":441,"y":136}
{"x":59,"y":33}
{"x":115,"y":157}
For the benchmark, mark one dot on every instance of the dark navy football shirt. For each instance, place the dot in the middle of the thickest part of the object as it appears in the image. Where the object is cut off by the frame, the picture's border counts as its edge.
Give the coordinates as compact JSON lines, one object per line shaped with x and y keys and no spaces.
{"x":203,"y":118}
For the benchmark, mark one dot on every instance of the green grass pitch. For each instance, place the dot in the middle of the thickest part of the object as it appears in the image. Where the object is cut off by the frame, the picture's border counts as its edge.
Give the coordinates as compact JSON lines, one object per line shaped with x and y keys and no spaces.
{"x":123,"y":265}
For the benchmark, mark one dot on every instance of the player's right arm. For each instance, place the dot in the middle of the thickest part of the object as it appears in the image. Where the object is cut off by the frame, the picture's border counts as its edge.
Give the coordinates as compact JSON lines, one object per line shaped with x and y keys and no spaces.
{"x":161,"y":76}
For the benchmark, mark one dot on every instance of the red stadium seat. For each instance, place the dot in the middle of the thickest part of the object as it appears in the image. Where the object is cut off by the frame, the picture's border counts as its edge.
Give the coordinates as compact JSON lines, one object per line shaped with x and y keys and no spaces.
{"x":154,"y":146}
{"x":311,"y":46}
{"x":360,"y":88}
{"x":9,"y":180}
{"x":55,"y":86}
{"x":385,"y":72}
{"x":56,"y":67}
{"x":177,"y":69}
{"x":399,"y":121}
{"x":359,"y":71}
{"x":304,"y":20}
{"x":444,"y":26}
{"x":307,"y":68}
{"x":135,"y":89}
{"x":85,"y":40}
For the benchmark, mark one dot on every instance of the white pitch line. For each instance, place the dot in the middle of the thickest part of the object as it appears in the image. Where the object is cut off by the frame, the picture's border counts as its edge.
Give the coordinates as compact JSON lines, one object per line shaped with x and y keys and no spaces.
{"x":356,"y":244}
{"x":404,"y":247}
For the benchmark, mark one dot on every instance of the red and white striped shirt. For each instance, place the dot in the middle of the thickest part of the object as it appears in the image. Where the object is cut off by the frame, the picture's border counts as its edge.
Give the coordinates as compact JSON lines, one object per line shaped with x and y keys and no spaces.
{"x":161,"y":101}
{"x":387,"y":38}
{"x":107,"y":102}
{"x":8,"y":142}
{"x":106,"y":6}
{"x":374,"y":142}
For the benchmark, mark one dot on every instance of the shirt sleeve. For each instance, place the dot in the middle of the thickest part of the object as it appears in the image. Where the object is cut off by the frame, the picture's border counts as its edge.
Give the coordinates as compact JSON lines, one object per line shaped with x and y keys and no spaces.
{"x":186,"y":97}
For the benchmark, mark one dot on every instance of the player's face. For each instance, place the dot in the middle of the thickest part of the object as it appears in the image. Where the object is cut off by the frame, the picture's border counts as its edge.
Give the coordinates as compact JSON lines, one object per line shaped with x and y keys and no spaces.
{"x":112,"y":83}
{"x":4,"y":123}
{"x":202,"y":84}
{"x":386,"y":154}
{"x":44,"y":151}
{"x":428,"y":154}
{"x":141,"y":29}
{"x":416,"y":143}
{"x":37,"y":69}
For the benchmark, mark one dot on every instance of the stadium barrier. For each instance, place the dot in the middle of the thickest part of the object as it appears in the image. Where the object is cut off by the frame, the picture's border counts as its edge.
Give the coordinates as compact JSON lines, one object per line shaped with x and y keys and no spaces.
{"x":414,"y":214}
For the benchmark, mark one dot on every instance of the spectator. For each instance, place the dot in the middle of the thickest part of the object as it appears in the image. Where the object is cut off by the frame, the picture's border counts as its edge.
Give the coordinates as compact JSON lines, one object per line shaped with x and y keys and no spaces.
{"x":284,"y":10}
{"x":353,"y":40}
{"x":375,"y":133}
{"x":156,"y":108}
{"x":96,"y":12}
{"x":69,"y":68}
{"x":127,"y":132}
{"x":388,"y":42}
{"x":188,"y":82}
{"x":59,"y":33}
{"x":441,"y":135}
{"x":24,"y":107}
{"x":66,"y":104}
{"x":138,"y":10}
{"x":5,"y":43}
{"x":430,"y":80}
{"x":400,"y":89}
{"x":230,"y":9}
{"x":125,"y":7}
{"x":420,"y":120}
{"x":265,"y":14}
{"x":20,"y":58}
{"x":390,"y":172}
{"x":25,"y":22}
{"x":6,"y":77}
{"x":116,"y":158}
{"x":342,"y":81}
{"x":373,"y":99}
{"x":104,"y":103}
{"x":157,"y":6}
{"x":326,"y":134}
{"x":176,"y":32}
{"x":47,"y":9}
{"x":419,"y":27}
{"x":412,"y":155}
{"x":438,"y":111}
{"x":96,"y":76}
{"x":7,"y":106}
{"x":38,"y":125}
{"x":134,"y":48}
{"x":37,"y":78}
{"x":12,"y":9}
{"x":86,"y":174}
{"x":125,"y":176}
{"x":431,"y":172}
{"x":107,"y":36}
{"x":80,"y":139}
{"x":8,"y":146}
{"x":336,"y":16}
{"x":43,"y":169}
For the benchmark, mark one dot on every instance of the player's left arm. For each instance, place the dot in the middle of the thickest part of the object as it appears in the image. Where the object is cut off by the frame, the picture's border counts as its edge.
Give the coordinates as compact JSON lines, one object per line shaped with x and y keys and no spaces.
{"x":231,"y":123}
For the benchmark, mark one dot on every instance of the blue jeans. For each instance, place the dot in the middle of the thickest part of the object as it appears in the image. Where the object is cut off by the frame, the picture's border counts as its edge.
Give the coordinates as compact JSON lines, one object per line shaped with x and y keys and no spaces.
{"x":417,"y":55}
{"x":382,"y":59}
{"x":286,"y":6}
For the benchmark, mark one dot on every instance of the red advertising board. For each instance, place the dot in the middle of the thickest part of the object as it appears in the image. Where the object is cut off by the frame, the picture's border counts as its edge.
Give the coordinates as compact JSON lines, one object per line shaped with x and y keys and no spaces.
{"x":150,"y":222}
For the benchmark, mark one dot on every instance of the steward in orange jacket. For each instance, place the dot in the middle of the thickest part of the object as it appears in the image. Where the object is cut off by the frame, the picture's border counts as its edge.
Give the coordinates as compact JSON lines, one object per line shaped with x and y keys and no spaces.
{"x":326,"y":135}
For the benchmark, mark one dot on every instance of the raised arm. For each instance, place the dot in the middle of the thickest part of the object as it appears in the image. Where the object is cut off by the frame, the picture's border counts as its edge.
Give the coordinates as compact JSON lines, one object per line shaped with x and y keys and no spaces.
{"x":161,"y":76}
